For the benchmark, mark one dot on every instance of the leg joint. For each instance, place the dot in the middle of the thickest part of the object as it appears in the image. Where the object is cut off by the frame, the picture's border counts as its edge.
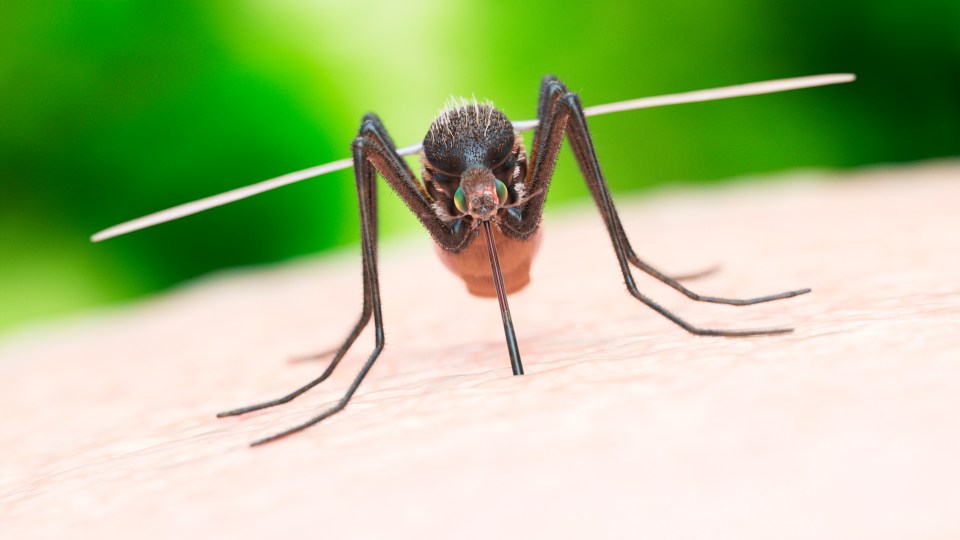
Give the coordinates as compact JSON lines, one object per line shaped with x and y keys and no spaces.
{"x":369,"y":127}
{"x":571,"y":100}
{"x":554,"y":87}
{"x":358,"y":143}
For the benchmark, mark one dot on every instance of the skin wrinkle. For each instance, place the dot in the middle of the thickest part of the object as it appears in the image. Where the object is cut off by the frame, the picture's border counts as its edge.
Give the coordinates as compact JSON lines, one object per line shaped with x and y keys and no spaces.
{"x":624,"y":424}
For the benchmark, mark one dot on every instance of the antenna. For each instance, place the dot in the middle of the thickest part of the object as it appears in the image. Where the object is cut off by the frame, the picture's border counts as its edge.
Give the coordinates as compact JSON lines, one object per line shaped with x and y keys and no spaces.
{"x":726,"y":92}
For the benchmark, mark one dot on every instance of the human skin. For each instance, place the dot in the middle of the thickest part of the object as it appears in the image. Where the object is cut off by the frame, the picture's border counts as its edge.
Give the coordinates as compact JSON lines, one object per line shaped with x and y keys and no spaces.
{"x":623,"y":426}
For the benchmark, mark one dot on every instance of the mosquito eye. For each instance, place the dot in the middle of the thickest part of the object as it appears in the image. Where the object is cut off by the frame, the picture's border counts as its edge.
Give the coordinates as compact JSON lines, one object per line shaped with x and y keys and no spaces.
{"x":460,"y":200}
{"x":502,"y":193}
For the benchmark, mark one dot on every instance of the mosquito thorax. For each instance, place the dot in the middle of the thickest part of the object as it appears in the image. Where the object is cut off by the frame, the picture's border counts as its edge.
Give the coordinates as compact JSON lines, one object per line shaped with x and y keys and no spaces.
{"x":467,"y":136}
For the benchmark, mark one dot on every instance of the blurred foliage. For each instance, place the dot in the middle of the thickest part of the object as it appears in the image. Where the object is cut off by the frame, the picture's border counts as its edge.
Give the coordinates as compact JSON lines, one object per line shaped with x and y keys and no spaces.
{"x":116,"y":109}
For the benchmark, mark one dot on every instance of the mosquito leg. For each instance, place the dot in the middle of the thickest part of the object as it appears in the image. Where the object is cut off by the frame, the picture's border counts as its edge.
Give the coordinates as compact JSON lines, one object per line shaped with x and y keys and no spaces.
{"x":379,"y":151}
{"x":562,"y":114}
{"x":336,"y":408}
{"x":322,"y":354}
{"x":692,"y":275}
{"x":579,"y":136}
{"x":373,"y":152}
{"x":366,"y":193}
{"x":339,"y":353}
{"x":364,"y":319}
{"x":674,"y":282}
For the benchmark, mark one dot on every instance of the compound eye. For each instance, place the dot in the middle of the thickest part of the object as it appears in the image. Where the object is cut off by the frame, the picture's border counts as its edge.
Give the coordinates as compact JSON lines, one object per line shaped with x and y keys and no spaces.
{"x":460,"y":200}
{"x":502,"y":193}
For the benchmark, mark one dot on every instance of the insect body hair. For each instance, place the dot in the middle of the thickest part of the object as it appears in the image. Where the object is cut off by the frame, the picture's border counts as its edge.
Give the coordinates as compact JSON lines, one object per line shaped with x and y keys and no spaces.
{"x":468,"y":133}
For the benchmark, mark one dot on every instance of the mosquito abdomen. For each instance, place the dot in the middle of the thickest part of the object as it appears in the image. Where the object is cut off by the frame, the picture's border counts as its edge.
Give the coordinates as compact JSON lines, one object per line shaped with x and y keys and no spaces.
{"x":472,"y":265}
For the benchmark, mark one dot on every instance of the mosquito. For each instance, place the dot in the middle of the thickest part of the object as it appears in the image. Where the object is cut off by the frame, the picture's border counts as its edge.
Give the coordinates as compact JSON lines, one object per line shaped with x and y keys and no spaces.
{"x":477,"y":176}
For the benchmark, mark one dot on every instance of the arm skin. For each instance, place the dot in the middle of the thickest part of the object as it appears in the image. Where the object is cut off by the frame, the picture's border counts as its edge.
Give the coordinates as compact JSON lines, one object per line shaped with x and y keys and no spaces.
{"x":624,"y":426}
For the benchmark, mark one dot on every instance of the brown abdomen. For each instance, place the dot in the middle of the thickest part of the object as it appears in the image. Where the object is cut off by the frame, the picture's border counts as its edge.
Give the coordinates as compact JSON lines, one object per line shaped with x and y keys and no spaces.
{"x":473,"y":263}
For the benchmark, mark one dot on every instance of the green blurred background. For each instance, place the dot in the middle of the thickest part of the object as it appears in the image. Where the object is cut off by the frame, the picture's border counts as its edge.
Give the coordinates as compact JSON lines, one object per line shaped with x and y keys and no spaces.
{"x":116,"y":109}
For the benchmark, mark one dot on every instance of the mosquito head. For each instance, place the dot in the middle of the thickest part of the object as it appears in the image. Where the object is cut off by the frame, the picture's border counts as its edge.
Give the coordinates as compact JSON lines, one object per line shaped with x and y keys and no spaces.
{"x":480,"y":194}
{"x":472,"y":156}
